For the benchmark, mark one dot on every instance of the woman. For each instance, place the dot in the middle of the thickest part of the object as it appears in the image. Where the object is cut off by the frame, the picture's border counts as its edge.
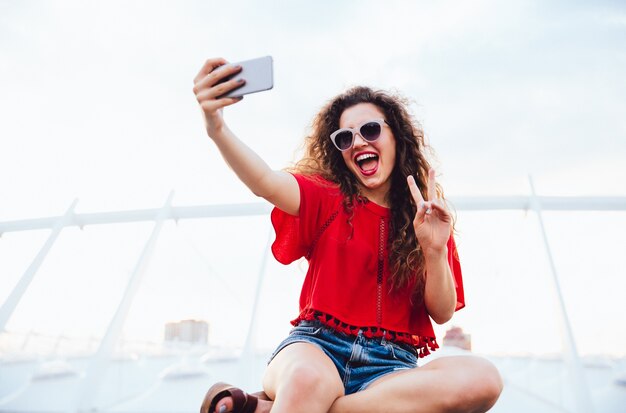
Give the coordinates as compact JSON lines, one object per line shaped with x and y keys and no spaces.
{"x":364,"y":209}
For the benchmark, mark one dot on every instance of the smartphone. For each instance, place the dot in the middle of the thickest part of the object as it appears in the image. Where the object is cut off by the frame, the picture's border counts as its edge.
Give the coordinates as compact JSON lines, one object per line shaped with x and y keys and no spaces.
{"x":258,"y":74}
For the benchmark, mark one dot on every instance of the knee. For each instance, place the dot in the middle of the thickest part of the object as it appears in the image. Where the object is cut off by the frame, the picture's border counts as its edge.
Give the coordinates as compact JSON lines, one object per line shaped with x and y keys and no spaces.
{"x":480,"y":385}
{"x":488,"y":386}
{"x":307,"y":380}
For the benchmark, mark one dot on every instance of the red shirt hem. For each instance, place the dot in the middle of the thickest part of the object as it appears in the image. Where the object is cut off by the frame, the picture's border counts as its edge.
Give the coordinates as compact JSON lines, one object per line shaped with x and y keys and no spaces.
{"x":424,"y":345}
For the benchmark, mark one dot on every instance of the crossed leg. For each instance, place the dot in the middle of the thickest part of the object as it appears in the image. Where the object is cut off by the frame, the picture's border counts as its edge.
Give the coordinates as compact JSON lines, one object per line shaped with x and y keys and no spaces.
{"x":302,"y":379}
{"x":464,"y":384}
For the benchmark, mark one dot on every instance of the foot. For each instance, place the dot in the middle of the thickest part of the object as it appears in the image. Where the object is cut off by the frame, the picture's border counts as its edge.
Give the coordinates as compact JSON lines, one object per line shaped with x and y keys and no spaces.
{"x":226,"y":405}
{"x":225,"y":398}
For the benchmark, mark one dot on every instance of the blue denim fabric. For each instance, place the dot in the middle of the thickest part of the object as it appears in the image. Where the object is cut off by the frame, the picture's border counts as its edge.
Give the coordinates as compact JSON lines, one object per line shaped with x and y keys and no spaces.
{"x":359,"y":360}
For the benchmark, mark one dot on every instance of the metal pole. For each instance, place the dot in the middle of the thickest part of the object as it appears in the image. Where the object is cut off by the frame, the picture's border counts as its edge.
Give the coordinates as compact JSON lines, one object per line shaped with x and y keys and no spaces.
{"x":95,"y":371}
{"x":246,"y":360}
{"x":582,"y":394}
{"x":16,"y":295}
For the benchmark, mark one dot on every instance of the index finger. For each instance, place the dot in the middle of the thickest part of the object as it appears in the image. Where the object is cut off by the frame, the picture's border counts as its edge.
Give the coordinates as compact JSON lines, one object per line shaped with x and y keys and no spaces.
{"x":415,"y":192}
{"x":209,"y":66}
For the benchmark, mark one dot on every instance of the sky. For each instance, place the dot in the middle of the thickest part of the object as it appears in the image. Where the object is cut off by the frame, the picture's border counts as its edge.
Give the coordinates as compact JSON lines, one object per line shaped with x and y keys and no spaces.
{"x":97,"y":104}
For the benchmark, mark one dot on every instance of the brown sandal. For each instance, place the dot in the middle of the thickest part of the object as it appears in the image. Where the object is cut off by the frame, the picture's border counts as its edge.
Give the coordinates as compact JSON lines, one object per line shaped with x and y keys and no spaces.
{"x":242,"y":401}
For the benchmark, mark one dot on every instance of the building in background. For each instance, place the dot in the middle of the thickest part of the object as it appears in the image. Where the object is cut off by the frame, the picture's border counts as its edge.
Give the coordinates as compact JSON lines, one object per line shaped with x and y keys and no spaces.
{"x":187,"y":331}
{"x":457,"y":338}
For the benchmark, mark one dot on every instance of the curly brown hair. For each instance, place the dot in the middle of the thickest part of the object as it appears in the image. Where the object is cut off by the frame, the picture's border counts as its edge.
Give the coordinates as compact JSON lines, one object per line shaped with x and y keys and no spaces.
{"x":406,"y":259}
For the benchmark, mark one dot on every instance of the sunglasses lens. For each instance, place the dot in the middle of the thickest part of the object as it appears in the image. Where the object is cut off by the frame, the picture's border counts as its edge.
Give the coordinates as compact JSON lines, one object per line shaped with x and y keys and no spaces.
{"x":370,"y":131}
{"x":343,"y":140}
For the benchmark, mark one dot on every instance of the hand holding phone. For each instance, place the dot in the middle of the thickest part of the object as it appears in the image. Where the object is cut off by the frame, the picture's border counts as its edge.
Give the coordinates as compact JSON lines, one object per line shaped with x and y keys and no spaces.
{"x":210,"y":89}
{"x":258,"y":76}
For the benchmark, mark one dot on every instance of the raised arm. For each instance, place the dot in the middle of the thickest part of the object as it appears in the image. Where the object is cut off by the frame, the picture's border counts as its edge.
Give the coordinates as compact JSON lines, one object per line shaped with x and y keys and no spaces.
{"x":432,"y":225}
{"x":278,"y":187}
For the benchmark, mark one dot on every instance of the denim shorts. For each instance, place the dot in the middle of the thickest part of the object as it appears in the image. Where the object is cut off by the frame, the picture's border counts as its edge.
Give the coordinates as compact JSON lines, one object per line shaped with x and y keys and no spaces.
{"x":359,"y":360}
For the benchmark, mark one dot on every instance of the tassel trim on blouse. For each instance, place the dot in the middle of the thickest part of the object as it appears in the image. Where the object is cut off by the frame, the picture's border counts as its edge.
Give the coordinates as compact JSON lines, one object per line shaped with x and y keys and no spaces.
{"x":423,"y":345}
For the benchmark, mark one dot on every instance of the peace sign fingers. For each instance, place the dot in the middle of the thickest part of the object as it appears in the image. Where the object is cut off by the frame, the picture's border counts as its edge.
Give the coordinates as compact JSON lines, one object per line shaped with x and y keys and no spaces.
{"x":431,"y":193}
{"x":432,"y":222}
{"x":417,"y":196}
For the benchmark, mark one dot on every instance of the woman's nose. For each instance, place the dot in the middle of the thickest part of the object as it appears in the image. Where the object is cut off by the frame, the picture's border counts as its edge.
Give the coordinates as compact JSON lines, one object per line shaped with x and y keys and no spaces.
{"x":358,"y":140}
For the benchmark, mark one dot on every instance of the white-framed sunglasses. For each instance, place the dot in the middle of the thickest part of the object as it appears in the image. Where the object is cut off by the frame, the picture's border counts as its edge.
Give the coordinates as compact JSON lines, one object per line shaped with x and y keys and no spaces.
{"x":343,"y":138}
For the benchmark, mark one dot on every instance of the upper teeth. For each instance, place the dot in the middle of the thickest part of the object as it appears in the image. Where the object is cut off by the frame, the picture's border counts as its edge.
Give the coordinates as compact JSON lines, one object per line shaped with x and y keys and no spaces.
{"x":365,"y":156}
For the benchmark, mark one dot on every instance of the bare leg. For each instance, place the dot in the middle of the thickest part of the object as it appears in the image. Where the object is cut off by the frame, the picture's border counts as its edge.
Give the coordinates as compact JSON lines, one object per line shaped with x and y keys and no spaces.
{"x":449,"y":384}
{"x":300,"y":379}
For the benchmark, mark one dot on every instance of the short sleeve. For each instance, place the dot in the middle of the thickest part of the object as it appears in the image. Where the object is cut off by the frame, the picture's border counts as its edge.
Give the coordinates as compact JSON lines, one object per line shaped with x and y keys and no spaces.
{"x":295,"y":234}
{"x":455,"y":267}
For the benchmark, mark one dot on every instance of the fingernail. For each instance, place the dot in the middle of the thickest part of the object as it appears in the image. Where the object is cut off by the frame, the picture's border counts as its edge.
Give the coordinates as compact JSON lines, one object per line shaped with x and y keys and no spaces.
{"x":428,"y":211}
{"x":222,"y":409}
{"x":422,"y":204}
{"x":240,"y":81}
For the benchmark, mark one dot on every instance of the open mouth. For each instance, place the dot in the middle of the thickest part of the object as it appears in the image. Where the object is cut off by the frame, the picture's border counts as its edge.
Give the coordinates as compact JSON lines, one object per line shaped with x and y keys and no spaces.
{"x":367,"y":163}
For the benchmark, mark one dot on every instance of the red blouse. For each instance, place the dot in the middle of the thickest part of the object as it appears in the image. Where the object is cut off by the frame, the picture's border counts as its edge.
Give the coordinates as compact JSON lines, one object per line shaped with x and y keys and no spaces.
{"x":346,"y":283}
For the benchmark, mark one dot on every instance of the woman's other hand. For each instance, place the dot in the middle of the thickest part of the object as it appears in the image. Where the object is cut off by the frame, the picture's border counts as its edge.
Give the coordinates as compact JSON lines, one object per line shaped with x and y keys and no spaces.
{"x":432,"y":223}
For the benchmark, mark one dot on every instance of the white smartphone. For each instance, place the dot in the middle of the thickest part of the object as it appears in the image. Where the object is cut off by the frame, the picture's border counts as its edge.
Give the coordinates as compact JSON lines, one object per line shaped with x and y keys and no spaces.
{"x":257,"y":73}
